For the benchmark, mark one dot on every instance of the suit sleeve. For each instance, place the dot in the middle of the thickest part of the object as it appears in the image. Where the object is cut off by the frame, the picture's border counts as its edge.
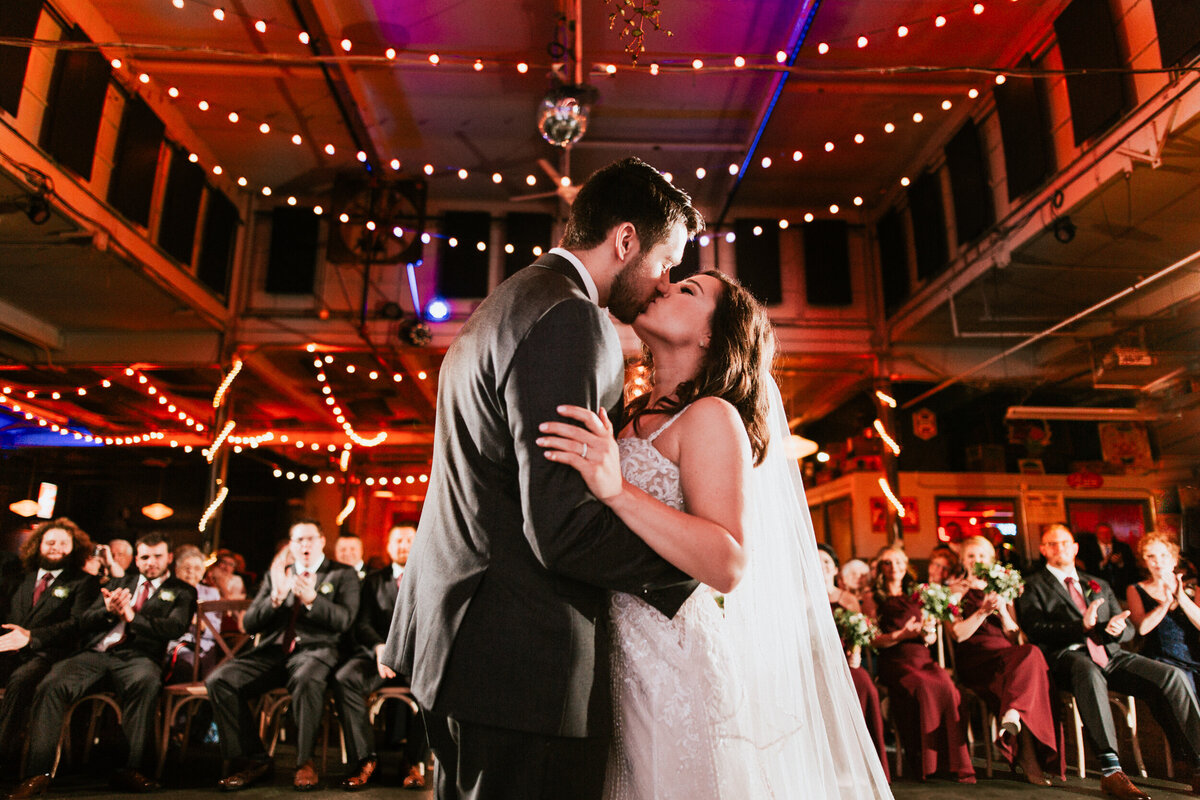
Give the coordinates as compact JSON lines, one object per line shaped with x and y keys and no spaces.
{"x":571,"y":533}
{"x":262,"y":615}
{"x":1044,"y":628}
{"x":365,"y":634}
{"x":175,"y":622}
{"x":336,"y":611}
{"x":62,"y":633}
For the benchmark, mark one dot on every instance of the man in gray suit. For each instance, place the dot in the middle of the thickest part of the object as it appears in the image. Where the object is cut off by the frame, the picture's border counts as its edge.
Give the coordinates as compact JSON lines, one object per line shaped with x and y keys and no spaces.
{"x":501,"y":619}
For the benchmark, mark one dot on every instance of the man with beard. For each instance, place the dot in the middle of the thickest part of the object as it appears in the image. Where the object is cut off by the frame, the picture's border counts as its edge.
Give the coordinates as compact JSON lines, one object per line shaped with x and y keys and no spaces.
{"x":125,"y":634}
{"x":363,"y":672}
{"x":42,"y":625}
{"x":501,"y":620}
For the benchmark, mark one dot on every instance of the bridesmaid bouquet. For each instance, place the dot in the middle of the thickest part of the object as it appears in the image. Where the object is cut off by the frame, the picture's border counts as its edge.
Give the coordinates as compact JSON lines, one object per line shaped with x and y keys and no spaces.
{"x":1004,"y":581}
{"x":938,"y":601}
{"x":854,"y":628}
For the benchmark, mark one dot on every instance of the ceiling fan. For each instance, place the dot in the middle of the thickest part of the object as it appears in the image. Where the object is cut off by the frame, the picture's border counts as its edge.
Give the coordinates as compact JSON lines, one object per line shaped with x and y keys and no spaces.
{"x":564,"y":188}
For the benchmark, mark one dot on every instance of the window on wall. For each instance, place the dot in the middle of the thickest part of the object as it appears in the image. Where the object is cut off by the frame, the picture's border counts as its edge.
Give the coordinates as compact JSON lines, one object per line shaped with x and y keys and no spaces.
{"x":75,"y":105}
{"x":180,"y":208}
{"x":135,"y":163}
{"x":929,"y":225}
{"x":1087,"y":40}
{"x":19,"y":21}
{"x":893,"y":259}
{"x":827,"y":263}
{"x":965,"y":162}
{"x":1178,"y":24}
{"x":1028,"y":147}
{"x":959,"y":518}
{"x":756,"y":251}
{"x":1129,"y":518}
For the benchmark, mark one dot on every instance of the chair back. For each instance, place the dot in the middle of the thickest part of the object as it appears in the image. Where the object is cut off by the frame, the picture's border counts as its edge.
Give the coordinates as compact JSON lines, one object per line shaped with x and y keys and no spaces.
{"x":228,"y":642}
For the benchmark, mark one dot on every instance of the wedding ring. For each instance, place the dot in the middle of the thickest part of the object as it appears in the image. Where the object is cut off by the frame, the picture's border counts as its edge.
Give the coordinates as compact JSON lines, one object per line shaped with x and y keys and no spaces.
{"x":583,"y":455}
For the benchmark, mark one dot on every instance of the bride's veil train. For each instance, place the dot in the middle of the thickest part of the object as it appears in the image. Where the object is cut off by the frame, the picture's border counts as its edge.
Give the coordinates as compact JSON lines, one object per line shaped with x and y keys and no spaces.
{"x":808,"y":734}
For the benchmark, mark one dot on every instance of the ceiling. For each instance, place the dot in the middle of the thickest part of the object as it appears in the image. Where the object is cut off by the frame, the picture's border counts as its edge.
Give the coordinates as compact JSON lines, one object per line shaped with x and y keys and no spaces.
{"x":99,"y":303}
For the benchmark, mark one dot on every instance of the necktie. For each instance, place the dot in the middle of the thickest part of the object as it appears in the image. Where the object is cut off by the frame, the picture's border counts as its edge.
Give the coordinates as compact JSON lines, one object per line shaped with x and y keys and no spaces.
{"x":142,"y":596}
{"x":289,"y":636}
{"x":42,"y":585}
{"x":1095,"y":650}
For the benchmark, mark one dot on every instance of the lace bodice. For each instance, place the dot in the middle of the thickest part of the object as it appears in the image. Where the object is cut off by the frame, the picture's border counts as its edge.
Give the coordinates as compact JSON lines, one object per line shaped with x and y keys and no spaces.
{"x":678,"y":707}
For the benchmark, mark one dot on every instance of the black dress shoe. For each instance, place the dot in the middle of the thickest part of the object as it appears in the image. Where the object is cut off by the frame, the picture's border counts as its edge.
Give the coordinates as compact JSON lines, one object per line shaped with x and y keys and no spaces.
{"x":36,"y":786}
{"x":249,"y":775}
{"x":130,"y":780}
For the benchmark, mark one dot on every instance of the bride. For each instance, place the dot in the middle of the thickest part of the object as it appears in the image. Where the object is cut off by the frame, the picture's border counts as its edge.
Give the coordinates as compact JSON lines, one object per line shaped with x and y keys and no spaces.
{"x":755,"y":701}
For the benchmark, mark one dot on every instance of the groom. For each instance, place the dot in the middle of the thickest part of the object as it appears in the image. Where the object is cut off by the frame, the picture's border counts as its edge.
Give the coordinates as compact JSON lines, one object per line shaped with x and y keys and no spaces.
{"x":502,"y":615}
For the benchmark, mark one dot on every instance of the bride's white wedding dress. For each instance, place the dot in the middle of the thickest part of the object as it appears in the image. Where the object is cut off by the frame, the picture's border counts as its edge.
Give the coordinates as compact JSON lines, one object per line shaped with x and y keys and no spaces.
{"x":680,"y":716}
{"x":754,"y":702}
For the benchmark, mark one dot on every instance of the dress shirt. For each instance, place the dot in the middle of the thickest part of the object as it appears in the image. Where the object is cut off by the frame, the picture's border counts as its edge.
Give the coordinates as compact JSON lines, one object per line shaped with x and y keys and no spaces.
{"x":592,"y":292}
{"x":118,"y":632}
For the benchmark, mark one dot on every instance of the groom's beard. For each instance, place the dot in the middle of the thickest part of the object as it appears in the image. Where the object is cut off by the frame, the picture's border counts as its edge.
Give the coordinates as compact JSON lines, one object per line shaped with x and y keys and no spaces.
{"x":626,"y":300}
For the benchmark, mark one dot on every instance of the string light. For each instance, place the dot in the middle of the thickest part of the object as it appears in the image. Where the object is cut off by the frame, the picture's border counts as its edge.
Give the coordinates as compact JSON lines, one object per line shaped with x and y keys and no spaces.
{"x":346,"y":511}
{"x":887,"y":439}
{"x":212,"y":507}
{"x":211,"y":452}
{"x":885,"y":398}
{"x":891,"y":496}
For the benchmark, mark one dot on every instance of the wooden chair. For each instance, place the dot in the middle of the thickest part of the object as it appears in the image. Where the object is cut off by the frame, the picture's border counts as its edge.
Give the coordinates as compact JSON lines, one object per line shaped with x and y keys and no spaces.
{"x":178,"y":696}
{"x":99,"y":701}
{"x":971,"y":701}
{"x":1128,"y":707}
{"x":272,"y":707}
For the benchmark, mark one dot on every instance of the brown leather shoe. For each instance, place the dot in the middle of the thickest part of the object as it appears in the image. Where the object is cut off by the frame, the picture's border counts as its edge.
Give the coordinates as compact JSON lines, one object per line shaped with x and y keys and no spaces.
{"x":130,"y":780}
{"x":36,"y":786}
{"x":359,"y":780}
{"x":306,"y":777}
{"x":1119,"y":786}
{"x":247,"y":776}
{"x":415,"y":778}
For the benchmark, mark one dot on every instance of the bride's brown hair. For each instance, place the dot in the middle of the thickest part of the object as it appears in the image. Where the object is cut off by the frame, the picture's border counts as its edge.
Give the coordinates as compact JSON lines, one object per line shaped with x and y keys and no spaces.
{"x":736,"y":366}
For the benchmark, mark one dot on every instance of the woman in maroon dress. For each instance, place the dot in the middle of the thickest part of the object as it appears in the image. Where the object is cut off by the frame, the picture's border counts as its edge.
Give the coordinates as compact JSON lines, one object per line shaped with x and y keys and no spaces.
{"x":868,"y":695}
{"x":1011,"y":677}
{"x":923,"y":697}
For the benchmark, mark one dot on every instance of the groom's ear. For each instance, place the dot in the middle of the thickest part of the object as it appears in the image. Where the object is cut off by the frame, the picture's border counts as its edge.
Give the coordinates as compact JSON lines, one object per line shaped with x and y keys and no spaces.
{"x":625,"y":240}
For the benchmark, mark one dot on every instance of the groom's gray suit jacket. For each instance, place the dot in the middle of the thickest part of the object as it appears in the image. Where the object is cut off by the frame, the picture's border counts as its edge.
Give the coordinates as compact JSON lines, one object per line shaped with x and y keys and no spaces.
{"x":501,"y":617}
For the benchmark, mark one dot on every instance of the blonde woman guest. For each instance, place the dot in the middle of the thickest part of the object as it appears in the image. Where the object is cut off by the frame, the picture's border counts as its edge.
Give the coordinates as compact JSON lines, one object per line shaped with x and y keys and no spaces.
{"x":1166,"y":616}
{"x":924,"y":699}
{"x":1011,"y":677}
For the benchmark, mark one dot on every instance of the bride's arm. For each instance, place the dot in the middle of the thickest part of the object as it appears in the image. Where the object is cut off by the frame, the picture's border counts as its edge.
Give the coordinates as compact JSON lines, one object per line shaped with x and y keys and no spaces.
{"x":714,"y":462}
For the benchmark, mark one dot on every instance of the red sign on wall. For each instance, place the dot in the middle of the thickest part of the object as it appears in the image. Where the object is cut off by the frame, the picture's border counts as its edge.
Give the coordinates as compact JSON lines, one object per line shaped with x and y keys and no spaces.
{"x":879,"y":507}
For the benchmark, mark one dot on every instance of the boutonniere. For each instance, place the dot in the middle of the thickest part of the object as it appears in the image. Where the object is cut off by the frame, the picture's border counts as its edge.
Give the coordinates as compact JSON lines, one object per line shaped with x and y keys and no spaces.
{"x":167,"y":596}
{"x":61,"y":592}
{"x":326,"y":588}
{"x":1092,"y":588}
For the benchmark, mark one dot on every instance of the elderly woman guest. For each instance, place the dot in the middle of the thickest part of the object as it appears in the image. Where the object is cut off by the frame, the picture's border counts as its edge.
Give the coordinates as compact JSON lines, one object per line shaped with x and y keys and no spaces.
{"x":1011,"y":677}
{"x":924,"y":700}
{"x":1166,"y":616}
{"x":868,"y":695}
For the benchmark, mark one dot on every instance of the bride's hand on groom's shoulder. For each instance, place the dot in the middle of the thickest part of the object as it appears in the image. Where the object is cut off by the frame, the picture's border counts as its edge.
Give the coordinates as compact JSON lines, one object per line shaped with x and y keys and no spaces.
{"x":590,"y":448}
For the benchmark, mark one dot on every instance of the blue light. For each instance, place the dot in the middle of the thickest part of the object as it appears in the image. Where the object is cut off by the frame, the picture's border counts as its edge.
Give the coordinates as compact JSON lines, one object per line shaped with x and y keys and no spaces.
{"x":438,"y":310}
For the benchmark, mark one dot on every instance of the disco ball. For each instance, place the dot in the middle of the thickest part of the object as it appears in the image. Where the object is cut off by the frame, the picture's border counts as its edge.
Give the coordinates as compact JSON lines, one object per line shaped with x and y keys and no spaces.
{"x":563,"y":114}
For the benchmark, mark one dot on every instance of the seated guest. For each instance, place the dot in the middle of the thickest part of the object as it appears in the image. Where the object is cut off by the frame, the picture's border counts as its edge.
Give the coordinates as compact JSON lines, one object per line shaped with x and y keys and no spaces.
{"x":189,"y":567}
{"x":125,"y":633}
{"x":1166,"y":616}
{"x":348,"y":550}
{"x":924,"y":700}
{"x":1108,"y":558}
{"x":868,"y":695}
{"x":944,"y":568}
{"x":42,"y":625}
{"x":102,"y":564}
{"x":855,"y":576}
{"x":1076,"y":620}
{"x":301,"y":610}
{"x":1012,"y":678}
{"x":122,"y":554}
{"x":363,"y":672}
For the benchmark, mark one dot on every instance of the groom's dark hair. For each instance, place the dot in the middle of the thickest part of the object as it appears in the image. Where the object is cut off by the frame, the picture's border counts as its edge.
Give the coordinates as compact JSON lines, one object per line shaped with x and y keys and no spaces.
{"x":632,"y":191}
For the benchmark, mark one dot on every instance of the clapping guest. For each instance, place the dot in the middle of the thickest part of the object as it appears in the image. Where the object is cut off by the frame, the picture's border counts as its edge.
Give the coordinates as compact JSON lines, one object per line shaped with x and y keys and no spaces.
{"x":122,"y":554}
{"x":944,"y":568}
{"x":868,"y":694}
{"x":924,"y":699}
{"x":1011,"y":677}
{"x":125,"y":632}
{"x":348,"y":550}
{"x":1076,"y":620}
{"x":42,"y":625}
{"x":103,"y":565}
{"x":301,"y":610}
{"x":364,"y":672}
{"x":1165,"y":614}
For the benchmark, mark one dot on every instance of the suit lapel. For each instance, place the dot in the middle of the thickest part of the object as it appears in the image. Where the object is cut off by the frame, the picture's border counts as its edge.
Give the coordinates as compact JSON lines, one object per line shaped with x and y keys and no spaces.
{"x":556,"y":263}
{"x":1057,"y":586}
{"x":23,"y":601}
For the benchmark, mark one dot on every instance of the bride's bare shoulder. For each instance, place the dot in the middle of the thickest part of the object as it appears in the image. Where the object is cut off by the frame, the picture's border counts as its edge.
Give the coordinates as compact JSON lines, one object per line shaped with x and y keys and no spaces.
{"x":712,"y":415}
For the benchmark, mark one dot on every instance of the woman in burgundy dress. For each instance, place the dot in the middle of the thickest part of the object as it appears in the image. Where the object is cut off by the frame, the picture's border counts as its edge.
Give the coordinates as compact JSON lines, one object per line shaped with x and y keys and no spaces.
{"x":923,"y":697}
{"x":868,"y":695}
{"x":1011,"y":677}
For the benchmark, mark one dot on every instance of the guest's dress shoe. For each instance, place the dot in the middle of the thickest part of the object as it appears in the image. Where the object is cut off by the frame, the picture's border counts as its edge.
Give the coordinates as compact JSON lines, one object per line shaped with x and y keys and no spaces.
{"x":1119,"y":786}
{"x":250,"y":774}
{"x":36,"y":786}
{"x":415,"y":779}
{"x":306,"y":778}
{"x":1196,"y":781}
{"x":359,"y":780}
{"x":130,"y":780}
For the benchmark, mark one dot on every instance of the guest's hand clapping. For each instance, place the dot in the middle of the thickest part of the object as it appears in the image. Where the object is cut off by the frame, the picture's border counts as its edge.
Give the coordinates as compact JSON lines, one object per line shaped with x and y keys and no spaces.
{"x":282,"y":580}
{"x":1089,"y":616}
{"x":1116,"y":625}
{"x":591,"y":449}
{"x":16,"y":638}
{"x":305,"y":588}
{"x":119,"y":603}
